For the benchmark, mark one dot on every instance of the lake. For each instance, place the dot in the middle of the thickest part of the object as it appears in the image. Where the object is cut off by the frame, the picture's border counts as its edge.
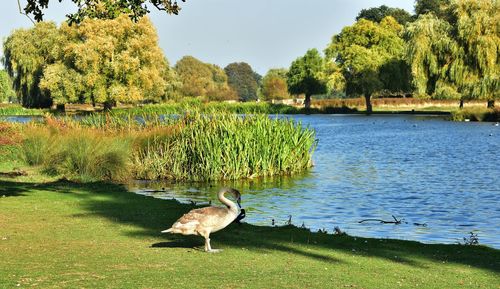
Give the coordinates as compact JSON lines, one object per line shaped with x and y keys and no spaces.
{"x":422,"y":169}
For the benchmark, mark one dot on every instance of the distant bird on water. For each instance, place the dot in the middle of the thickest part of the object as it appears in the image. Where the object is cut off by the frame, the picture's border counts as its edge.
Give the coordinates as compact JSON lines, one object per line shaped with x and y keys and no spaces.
{"x":204,"y":221}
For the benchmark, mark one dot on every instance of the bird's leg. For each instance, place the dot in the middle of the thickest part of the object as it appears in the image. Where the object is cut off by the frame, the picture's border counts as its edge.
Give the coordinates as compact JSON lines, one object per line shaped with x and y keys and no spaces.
{"x":207,"y":246}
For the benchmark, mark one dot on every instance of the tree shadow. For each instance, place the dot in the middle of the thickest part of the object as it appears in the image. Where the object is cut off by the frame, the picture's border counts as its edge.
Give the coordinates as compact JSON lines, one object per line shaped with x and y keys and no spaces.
{"x":149,"y":216}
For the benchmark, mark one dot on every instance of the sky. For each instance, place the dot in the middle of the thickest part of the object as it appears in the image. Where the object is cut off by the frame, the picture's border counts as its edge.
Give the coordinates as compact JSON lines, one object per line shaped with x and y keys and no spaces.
{"x":264,"y":33}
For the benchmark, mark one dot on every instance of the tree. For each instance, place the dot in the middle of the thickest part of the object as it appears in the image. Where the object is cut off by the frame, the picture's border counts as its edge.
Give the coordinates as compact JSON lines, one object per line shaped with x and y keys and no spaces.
{"x":436,"y":7}
{"x":369,"y":55}
{"x":305,"y":76}
{"x":98,"y":61}
{"x":478,"y":35}
{"x":6,"y":91}
{"x":26,"y":53}
{"x":104,"y":9}
{"x":376,"y":14}
{"x":274,"y":85}
{"x":243,"y":80}
{"x":201,"y":79}
{"x":457,"y":59}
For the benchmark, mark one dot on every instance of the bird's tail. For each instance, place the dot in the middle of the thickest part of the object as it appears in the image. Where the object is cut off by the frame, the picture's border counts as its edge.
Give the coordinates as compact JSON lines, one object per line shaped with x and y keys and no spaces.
{"x":167,"y":231}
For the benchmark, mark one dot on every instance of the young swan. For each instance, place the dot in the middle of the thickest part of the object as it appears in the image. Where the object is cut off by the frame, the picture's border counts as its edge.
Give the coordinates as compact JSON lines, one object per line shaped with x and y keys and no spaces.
{"x":206,"y":220}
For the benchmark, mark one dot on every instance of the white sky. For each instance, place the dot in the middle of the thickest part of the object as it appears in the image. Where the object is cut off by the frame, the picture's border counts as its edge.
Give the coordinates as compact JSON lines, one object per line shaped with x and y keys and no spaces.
{"x":264,"y":33}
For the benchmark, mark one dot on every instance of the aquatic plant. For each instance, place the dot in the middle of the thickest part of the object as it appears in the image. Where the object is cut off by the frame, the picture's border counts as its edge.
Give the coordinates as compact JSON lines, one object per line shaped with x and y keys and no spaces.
{"x":193,"y":146}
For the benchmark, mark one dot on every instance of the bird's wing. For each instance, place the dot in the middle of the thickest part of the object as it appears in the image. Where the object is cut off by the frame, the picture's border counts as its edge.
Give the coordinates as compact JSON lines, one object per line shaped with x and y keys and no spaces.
{"x":205,"y":216}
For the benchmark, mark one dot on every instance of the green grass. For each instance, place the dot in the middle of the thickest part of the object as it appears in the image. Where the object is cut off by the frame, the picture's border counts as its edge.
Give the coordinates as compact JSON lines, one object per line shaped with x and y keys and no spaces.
{"x":98,"y":235}
{"x":15,"y":109}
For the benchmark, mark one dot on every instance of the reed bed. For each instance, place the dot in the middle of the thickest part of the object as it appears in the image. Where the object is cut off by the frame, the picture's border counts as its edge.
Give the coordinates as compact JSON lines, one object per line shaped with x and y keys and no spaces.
{"x":226,"y":146}
{"x":191,"y":147}
{"x":197,"y":105}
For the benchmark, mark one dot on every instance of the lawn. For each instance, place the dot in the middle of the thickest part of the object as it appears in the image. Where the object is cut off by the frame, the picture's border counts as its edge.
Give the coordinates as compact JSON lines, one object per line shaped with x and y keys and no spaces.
{"x":59,"y":234}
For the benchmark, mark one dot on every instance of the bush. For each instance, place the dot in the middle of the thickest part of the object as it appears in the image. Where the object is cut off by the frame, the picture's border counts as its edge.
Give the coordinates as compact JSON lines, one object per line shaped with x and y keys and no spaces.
{"x":476,"y":114}
{"x":79,"y":154}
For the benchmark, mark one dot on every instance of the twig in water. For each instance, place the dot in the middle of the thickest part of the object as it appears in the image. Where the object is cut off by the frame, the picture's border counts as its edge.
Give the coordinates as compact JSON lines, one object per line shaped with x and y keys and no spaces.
{"x":396,"y":221}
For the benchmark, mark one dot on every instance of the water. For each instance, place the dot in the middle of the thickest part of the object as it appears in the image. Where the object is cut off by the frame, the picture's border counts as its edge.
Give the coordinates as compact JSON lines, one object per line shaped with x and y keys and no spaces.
{"x":422,"y":169}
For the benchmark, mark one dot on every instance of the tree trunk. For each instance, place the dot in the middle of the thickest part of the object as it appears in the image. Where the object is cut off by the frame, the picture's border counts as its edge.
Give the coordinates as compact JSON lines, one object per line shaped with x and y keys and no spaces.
{"x":307,"y":101}
{"x":491,"y":103}
{"x":368,"y":101}
{"x":108,"y":105}
{"x":60,"y":107}
{"x":461,"y":104}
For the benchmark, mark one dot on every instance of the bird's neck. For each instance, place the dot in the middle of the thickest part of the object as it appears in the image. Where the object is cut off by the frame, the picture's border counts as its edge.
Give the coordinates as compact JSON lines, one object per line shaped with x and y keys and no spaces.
{"x":231,"y":205}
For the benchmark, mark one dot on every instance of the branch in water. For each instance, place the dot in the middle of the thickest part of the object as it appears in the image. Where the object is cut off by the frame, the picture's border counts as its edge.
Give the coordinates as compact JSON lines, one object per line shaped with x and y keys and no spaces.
{"x":396,"y":221}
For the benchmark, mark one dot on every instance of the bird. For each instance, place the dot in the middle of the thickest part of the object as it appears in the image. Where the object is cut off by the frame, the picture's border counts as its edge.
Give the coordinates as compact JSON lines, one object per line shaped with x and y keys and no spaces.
{"x":204,"y":221}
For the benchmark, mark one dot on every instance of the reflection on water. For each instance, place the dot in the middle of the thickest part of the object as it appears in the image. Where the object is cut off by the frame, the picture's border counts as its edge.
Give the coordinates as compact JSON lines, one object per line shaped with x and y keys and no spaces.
{"x":21,"y":118}
{"x":422,"y":169}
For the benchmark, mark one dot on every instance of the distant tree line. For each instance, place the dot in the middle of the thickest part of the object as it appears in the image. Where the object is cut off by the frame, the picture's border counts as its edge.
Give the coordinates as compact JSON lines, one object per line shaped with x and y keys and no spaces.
{"x":449,"y":49}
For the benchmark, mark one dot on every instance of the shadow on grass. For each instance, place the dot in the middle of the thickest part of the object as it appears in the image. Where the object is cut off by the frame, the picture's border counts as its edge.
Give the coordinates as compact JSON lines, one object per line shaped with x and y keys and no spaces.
{"x":151,"y":215}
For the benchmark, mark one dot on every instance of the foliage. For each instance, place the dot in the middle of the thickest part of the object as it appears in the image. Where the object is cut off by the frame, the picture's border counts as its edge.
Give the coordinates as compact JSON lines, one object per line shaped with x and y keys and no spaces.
{"x":104,"y":9}
{"x":477,"y":71}
{"x":369,"y":55}
{"x":203,"y":79}
{"x":98,"y":61}
{"x":26,"y":53}
{"x":243,"y":80}
{"x":436,"y":7}
{"x":305,"y":76}
{"x":376,"y":14}
{"x":6,"y":91}
{"x":274,"y":85}
{"x":458,"y":58}
{"x":116,"y":60}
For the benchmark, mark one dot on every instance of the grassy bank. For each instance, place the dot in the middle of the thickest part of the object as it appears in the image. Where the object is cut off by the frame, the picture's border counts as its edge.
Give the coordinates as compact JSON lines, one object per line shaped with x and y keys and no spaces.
{"x":64,"y":235}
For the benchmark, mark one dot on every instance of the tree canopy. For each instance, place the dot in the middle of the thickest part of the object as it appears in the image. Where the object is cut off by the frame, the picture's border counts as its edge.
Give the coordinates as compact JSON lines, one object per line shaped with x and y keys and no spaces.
{"x":104,"y":9}
{"x":305,"y":76}
{"x":98,"y":61}
{"x":243,"y":80}
{"x":376,"y":14}
{"x":370,"y":58}
{"x":26,"y":53}
{"x":457,"y":59}
{"x":274,"y":84}
{"x":201,"y":79}
{"x":436,"y":7}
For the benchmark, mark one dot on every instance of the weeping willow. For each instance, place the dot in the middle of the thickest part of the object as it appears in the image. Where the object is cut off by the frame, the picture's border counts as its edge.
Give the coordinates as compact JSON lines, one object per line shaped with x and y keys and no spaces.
{"x":26,"y":53}
{"x":458,"y":58}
